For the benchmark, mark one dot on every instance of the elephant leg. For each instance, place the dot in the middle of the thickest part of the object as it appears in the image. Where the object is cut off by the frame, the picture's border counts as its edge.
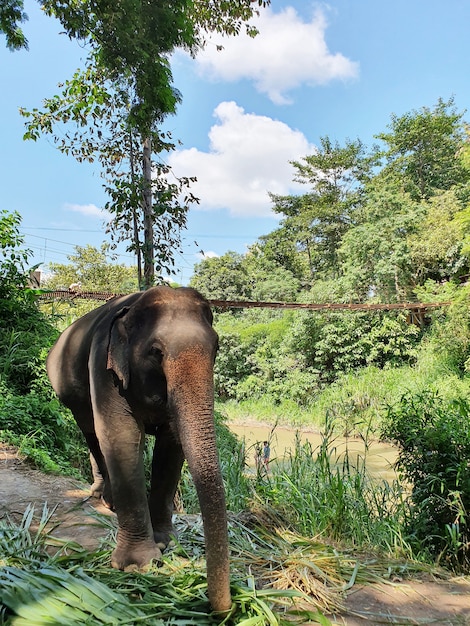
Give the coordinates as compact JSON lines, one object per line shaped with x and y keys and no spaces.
{"x":166,"y":471}
{"x":101,"y":487}
{"x":122,"y":442}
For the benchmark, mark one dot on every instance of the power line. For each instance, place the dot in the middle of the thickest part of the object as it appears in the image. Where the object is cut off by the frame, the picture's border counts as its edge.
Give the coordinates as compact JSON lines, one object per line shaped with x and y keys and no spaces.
{"x":76,"y":230}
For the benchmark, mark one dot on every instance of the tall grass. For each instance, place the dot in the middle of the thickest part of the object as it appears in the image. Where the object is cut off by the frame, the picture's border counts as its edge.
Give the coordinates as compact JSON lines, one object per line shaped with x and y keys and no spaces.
{"x":320,"y":493}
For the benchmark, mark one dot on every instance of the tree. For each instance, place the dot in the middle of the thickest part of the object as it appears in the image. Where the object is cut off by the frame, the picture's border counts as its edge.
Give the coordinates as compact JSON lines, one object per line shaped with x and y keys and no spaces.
{"x":221,"y":278}
{"x":94,"y":270}
{"x":11,"y":16}
{"x":375,"y":258}
{"x":130,"y":41}
{"x":244,"y":277}
{"x":437,"y":247}
{"x":318,"y":219}
{"x":89,"y":120}
{"x":280,"y":247}
{"x":423,"y":148}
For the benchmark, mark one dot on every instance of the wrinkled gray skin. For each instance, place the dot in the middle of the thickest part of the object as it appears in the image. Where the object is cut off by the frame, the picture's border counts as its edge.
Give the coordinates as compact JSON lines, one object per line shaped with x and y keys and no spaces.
{"x":143,"y":363}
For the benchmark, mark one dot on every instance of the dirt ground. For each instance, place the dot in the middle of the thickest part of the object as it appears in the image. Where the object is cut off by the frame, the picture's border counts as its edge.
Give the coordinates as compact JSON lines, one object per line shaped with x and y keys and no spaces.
{"x":423,"y":602}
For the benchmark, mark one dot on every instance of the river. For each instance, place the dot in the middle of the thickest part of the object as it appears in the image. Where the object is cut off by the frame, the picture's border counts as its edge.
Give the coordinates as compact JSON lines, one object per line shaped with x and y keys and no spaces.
{"x":380,"y":457}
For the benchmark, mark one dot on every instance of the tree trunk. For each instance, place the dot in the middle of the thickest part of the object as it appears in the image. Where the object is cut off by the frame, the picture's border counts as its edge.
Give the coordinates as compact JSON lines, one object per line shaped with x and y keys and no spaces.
{"x":135,"y":219}
{"x":147,"y":205}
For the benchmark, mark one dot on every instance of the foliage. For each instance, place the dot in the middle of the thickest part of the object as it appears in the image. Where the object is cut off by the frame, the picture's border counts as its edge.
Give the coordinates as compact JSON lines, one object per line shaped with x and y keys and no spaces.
{"x":11,"y":16}
{"x":437,"y":247}
{"x":375,"y":255}
{"x":132,"y":40}
{"x":92,"y":270}
{"x":433,"y":437}
{"x":233,"y":276}
{"x":335,"y":343}
{"x":451,"y":333}
{"x":40,"y":584}
{"x":221,"y":278}
{"x":295,"y":355}
{"x":117,"y":103}
{"x":326,"y":492}
{"x":44,"y":431}
{"x":24,"y":331}
{"x":422,"y":149}
{"x":29,"y":415}
{"x":94,"y":116}
{"x":317,"y":220}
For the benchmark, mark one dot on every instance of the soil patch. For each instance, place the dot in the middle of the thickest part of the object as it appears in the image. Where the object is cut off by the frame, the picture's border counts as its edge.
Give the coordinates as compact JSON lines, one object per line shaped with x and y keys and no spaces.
{"x":424,"y":602}
{"x":66,"y":498}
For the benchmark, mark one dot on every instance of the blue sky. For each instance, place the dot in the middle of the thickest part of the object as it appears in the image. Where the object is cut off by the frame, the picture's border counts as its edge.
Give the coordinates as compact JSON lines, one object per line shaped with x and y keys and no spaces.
{"x":338,"y":69}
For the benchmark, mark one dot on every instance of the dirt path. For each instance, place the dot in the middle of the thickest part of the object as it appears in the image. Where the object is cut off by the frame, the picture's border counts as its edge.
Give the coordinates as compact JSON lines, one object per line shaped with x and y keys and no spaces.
{"x":425,"y":602}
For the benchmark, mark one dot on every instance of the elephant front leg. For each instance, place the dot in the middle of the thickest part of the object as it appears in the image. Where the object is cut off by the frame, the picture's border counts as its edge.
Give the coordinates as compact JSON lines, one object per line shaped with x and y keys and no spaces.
{"x":166,"y":471}
{"x":122,"y":441}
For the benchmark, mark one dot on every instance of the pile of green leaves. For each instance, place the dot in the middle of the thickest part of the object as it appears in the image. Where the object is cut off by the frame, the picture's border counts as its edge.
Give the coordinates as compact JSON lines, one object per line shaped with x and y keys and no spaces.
{"x":69,"y":585}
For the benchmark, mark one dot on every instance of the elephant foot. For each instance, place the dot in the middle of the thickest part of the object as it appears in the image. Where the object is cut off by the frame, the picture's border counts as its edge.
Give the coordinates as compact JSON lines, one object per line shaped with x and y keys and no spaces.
{"x":163,"y":538}
{"x":97,"y":488}
{"x":137,"y":557}
{"x":101,"y":490}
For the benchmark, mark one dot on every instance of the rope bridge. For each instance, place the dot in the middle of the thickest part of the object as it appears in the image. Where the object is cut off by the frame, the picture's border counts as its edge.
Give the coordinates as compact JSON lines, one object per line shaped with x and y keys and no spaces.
{"x":66,"y":294}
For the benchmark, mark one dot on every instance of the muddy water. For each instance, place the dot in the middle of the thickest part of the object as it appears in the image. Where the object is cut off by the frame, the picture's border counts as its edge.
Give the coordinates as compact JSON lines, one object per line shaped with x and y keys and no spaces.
{"x":379,"y":457}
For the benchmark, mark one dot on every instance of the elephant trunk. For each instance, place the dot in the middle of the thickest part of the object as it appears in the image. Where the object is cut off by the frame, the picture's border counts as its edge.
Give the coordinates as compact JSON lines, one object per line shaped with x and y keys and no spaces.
{"x":190,"y":391}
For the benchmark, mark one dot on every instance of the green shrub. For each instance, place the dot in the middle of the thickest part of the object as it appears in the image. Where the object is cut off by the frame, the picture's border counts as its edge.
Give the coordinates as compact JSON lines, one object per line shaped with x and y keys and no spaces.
{"x":44,"y":431}
{"x":433,"y":436}
{"x":338,"y":342}
{"x":24,"y":330}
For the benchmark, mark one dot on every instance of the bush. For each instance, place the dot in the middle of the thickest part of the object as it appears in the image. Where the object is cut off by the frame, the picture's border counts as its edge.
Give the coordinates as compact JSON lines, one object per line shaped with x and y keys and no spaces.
{"x":24,"y":330}
{"x":433,"y":436}
{"x":44,"y":431}
{"x":338,"y":342}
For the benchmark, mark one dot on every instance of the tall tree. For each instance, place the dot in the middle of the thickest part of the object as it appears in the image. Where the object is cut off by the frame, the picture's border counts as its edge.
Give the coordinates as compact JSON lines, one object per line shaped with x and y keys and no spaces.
{"x":375,"y":255}
{"x":422,"y":149}
{"x":318,"y":219}
{"x":437,"y":249}
{"x":130,"y":42}
{"x":88,"y":120}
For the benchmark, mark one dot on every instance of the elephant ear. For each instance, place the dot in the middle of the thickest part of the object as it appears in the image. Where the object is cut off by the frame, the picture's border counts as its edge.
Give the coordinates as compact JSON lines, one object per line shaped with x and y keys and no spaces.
{"x":118,"y":348}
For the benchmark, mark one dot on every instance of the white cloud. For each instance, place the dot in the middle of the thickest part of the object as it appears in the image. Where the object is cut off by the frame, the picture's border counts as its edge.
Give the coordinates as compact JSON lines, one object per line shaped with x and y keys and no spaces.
{"x":248,"y":156}
{"x":287,"y":53}
{"x":89,"y":210}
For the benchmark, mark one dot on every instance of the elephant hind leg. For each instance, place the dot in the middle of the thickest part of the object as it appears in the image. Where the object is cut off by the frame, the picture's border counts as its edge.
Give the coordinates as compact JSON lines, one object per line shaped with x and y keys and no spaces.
{"x":166,"y":471}
{"x":101,"y":487}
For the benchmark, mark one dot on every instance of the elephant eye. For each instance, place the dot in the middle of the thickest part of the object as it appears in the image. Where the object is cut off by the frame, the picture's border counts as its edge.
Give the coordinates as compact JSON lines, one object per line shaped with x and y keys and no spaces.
{"x":156,"y":353}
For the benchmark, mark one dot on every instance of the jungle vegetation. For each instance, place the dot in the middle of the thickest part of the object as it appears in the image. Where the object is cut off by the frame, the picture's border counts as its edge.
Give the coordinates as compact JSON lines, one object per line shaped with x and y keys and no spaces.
{"x":385,"y":224}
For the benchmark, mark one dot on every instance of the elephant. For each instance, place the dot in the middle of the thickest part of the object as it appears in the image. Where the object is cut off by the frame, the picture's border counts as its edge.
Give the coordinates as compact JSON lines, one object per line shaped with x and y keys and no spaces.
{"x":143,"y":364}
